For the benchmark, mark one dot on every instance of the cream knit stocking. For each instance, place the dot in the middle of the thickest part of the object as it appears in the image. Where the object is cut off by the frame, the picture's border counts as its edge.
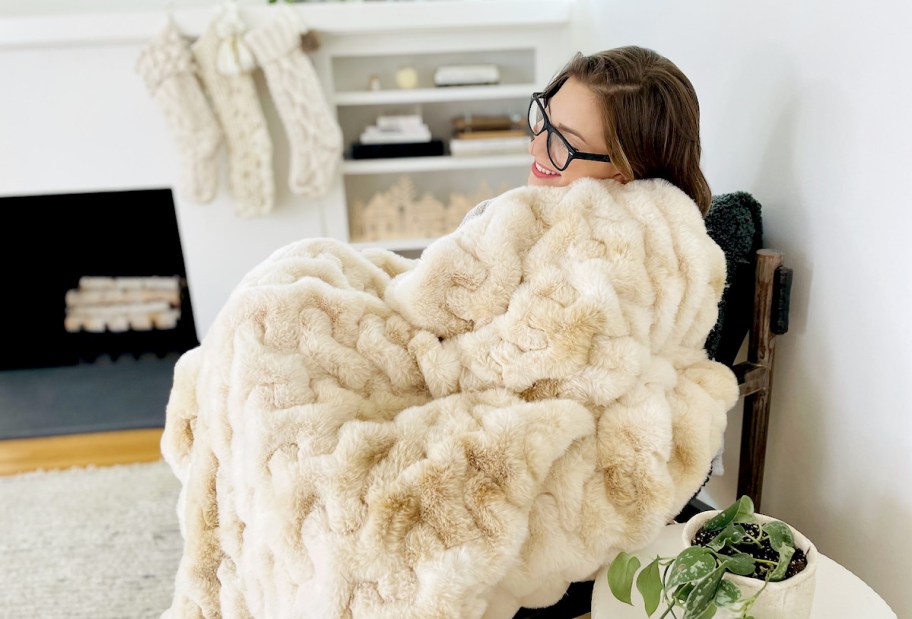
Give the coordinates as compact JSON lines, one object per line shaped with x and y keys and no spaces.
{"x":314,"y":135}
{"x":226,"y":71}
{"x":168,"y":69}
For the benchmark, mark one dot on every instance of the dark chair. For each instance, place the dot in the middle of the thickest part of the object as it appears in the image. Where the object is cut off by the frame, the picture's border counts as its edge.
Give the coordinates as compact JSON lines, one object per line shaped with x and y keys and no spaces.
{"x":755,"y":305}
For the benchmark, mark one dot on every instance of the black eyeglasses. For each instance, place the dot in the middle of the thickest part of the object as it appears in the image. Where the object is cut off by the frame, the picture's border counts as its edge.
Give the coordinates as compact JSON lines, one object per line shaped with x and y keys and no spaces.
{"x":559,"y":150}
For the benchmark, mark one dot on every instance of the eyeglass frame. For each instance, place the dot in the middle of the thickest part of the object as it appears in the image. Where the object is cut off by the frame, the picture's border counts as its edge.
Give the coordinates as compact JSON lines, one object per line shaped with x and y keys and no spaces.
{"x":572,"y":153}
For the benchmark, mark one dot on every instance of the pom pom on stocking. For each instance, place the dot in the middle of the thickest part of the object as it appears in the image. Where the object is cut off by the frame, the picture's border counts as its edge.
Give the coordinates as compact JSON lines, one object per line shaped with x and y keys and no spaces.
{"x":166,"y":64}
{"x":313,"y":132}
{"x":225,"y":69}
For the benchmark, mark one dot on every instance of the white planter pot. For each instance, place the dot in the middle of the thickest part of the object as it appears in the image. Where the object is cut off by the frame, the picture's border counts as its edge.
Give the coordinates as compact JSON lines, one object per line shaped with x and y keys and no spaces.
{"x":787,"y":599}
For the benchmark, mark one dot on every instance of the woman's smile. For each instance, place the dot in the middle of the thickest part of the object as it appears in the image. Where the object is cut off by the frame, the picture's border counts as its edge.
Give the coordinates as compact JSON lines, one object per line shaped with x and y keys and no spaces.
{"x":542,"y":172}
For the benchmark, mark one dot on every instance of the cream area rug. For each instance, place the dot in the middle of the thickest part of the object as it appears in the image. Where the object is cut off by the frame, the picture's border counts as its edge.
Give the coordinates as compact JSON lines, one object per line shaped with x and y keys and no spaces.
{"x":89,"y":542}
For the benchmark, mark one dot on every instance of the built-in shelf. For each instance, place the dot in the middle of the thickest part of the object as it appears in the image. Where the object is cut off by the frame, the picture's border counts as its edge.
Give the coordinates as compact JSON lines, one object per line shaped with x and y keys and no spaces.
{"x":395,"y":244}
{"x":434,"y":164}
{"x":434,"y":95}
{"x":420,"y":196}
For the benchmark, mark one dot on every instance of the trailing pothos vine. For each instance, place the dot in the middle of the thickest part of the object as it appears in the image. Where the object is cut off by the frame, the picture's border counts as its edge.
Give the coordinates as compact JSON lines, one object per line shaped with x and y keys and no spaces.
{"x":692,"y":581}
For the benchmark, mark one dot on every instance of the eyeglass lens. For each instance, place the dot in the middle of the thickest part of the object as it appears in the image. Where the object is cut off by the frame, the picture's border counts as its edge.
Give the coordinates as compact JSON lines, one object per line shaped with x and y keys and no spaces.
{"x":557,"y":148}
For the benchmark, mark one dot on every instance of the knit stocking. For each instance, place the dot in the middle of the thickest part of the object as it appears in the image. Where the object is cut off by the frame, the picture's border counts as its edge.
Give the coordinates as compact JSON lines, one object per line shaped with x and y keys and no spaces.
{"x":167,"y":67}
{"x":226,"y":71}
{"x":314,"y":135}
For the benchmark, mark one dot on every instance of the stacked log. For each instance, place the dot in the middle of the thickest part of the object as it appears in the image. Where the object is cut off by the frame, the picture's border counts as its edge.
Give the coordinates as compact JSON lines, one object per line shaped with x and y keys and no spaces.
{"x":119,"y":304}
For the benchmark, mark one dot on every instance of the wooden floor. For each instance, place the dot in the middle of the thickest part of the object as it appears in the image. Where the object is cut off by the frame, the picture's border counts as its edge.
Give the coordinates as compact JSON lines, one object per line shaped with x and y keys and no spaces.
{"x":60,"y":452}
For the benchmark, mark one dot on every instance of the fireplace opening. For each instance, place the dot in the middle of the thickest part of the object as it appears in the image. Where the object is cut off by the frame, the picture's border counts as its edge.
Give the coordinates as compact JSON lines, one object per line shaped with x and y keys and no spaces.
{"x":92,"y":277}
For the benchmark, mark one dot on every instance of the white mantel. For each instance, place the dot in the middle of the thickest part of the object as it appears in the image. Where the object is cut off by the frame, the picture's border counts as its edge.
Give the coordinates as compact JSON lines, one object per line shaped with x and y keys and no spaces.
{"x":76,"y":117}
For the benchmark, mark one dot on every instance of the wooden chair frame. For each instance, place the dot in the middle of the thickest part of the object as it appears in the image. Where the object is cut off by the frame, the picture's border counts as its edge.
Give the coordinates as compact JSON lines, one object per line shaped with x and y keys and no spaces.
{"x":772,"y":289}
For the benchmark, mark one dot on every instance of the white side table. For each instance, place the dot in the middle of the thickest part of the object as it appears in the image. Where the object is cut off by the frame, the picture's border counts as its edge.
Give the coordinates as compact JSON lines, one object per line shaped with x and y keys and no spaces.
{"x":838,"y":592}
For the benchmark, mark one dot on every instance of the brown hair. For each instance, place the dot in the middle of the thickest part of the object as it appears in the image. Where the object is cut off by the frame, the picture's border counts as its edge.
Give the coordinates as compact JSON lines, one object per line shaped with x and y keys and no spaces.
{"x":651,"y":115}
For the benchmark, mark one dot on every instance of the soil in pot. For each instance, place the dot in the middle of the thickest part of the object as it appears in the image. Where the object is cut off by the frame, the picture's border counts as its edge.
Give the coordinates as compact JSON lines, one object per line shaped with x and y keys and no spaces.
{"x":762,"y":551}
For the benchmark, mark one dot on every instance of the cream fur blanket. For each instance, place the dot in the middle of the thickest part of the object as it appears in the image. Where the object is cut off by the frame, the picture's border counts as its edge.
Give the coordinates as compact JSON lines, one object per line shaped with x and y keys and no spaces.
{"x":361,"y":435}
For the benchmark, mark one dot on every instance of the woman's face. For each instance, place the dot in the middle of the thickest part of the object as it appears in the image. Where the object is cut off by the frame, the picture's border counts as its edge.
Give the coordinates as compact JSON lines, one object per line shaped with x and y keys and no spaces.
{"x":574,"y":111}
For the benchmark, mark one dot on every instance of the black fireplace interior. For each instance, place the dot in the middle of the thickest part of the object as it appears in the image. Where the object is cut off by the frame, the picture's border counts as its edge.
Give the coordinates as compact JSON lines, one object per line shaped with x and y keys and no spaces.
{"x":49,"y":242}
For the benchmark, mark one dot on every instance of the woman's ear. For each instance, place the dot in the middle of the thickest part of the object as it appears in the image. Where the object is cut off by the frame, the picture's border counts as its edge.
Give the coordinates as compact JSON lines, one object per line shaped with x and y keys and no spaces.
{"x":616,"y":175}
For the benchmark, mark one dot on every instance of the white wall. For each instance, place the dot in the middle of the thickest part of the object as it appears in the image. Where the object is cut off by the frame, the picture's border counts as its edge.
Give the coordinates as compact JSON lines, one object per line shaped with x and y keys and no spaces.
{"x":808,"y":106}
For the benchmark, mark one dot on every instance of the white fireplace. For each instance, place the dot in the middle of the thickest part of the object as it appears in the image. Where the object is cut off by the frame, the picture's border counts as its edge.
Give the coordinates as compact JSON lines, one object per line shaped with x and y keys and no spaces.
{"x":77,"y":118}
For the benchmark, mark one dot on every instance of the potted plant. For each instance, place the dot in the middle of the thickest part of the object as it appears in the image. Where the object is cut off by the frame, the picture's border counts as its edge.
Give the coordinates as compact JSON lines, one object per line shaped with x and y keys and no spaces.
{"x":734,"y":562}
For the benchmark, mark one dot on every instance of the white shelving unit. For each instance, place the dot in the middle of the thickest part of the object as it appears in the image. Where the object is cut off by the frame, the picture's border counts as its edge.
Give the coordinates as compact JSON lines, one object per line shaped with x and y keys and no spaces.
{"x":527,"y":54}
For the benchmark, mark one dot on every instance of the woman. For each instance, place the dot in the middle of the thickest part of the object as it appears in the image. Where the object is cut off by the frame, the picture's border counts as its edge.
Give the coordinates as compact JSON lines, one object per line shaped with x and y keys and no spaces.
{"x":622,"y":114}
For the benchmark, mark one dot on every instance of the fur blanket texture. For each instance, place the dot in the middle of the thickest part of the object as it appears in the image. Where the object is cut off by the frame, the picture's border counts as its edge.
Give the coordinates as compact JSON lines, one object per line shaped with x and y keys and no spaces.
{"x":361,"y":435}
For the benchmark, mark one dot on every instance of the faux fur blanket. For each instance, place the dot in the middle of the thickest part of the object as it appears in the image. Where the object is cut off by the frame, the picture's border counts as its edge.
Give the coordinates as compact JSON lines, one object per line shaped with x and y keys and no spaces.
{"x":361,"y":435}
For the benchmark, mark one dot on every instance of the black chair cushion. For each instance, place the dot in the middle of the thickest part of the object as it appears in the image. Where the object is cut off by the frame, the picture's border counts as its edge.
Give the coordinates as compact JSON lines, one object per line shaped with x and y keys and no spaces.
{"x":734,"y":222}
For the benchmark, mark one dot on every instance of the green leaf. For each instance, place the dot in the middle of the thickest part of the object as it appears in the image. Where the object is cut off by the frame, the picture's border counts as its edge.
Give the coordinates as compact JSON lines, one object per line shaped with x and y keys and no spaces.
{"x":727,"y":594}
{"x":732,"y":534}
{"x":707,"y":613}
{"x":702,"y":596}
{"x":742,"y":508}
{"x":741,"y":564}
{"x":681,"y":593}
{"x":780,"y":535}
{"x":692,"y":564}
{"x":620,"y":576}
{"x":649,"y":584}
{"x":745,"y":510}
{"x":785,"y":557}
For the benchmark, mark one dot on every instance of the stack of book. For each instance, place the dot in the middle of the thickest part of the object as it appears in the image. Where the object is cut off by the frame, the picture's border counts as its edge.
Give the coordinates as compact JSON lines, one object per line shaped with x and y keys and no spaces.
{"x":488,"y":135}
{"x":404,"y":135}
